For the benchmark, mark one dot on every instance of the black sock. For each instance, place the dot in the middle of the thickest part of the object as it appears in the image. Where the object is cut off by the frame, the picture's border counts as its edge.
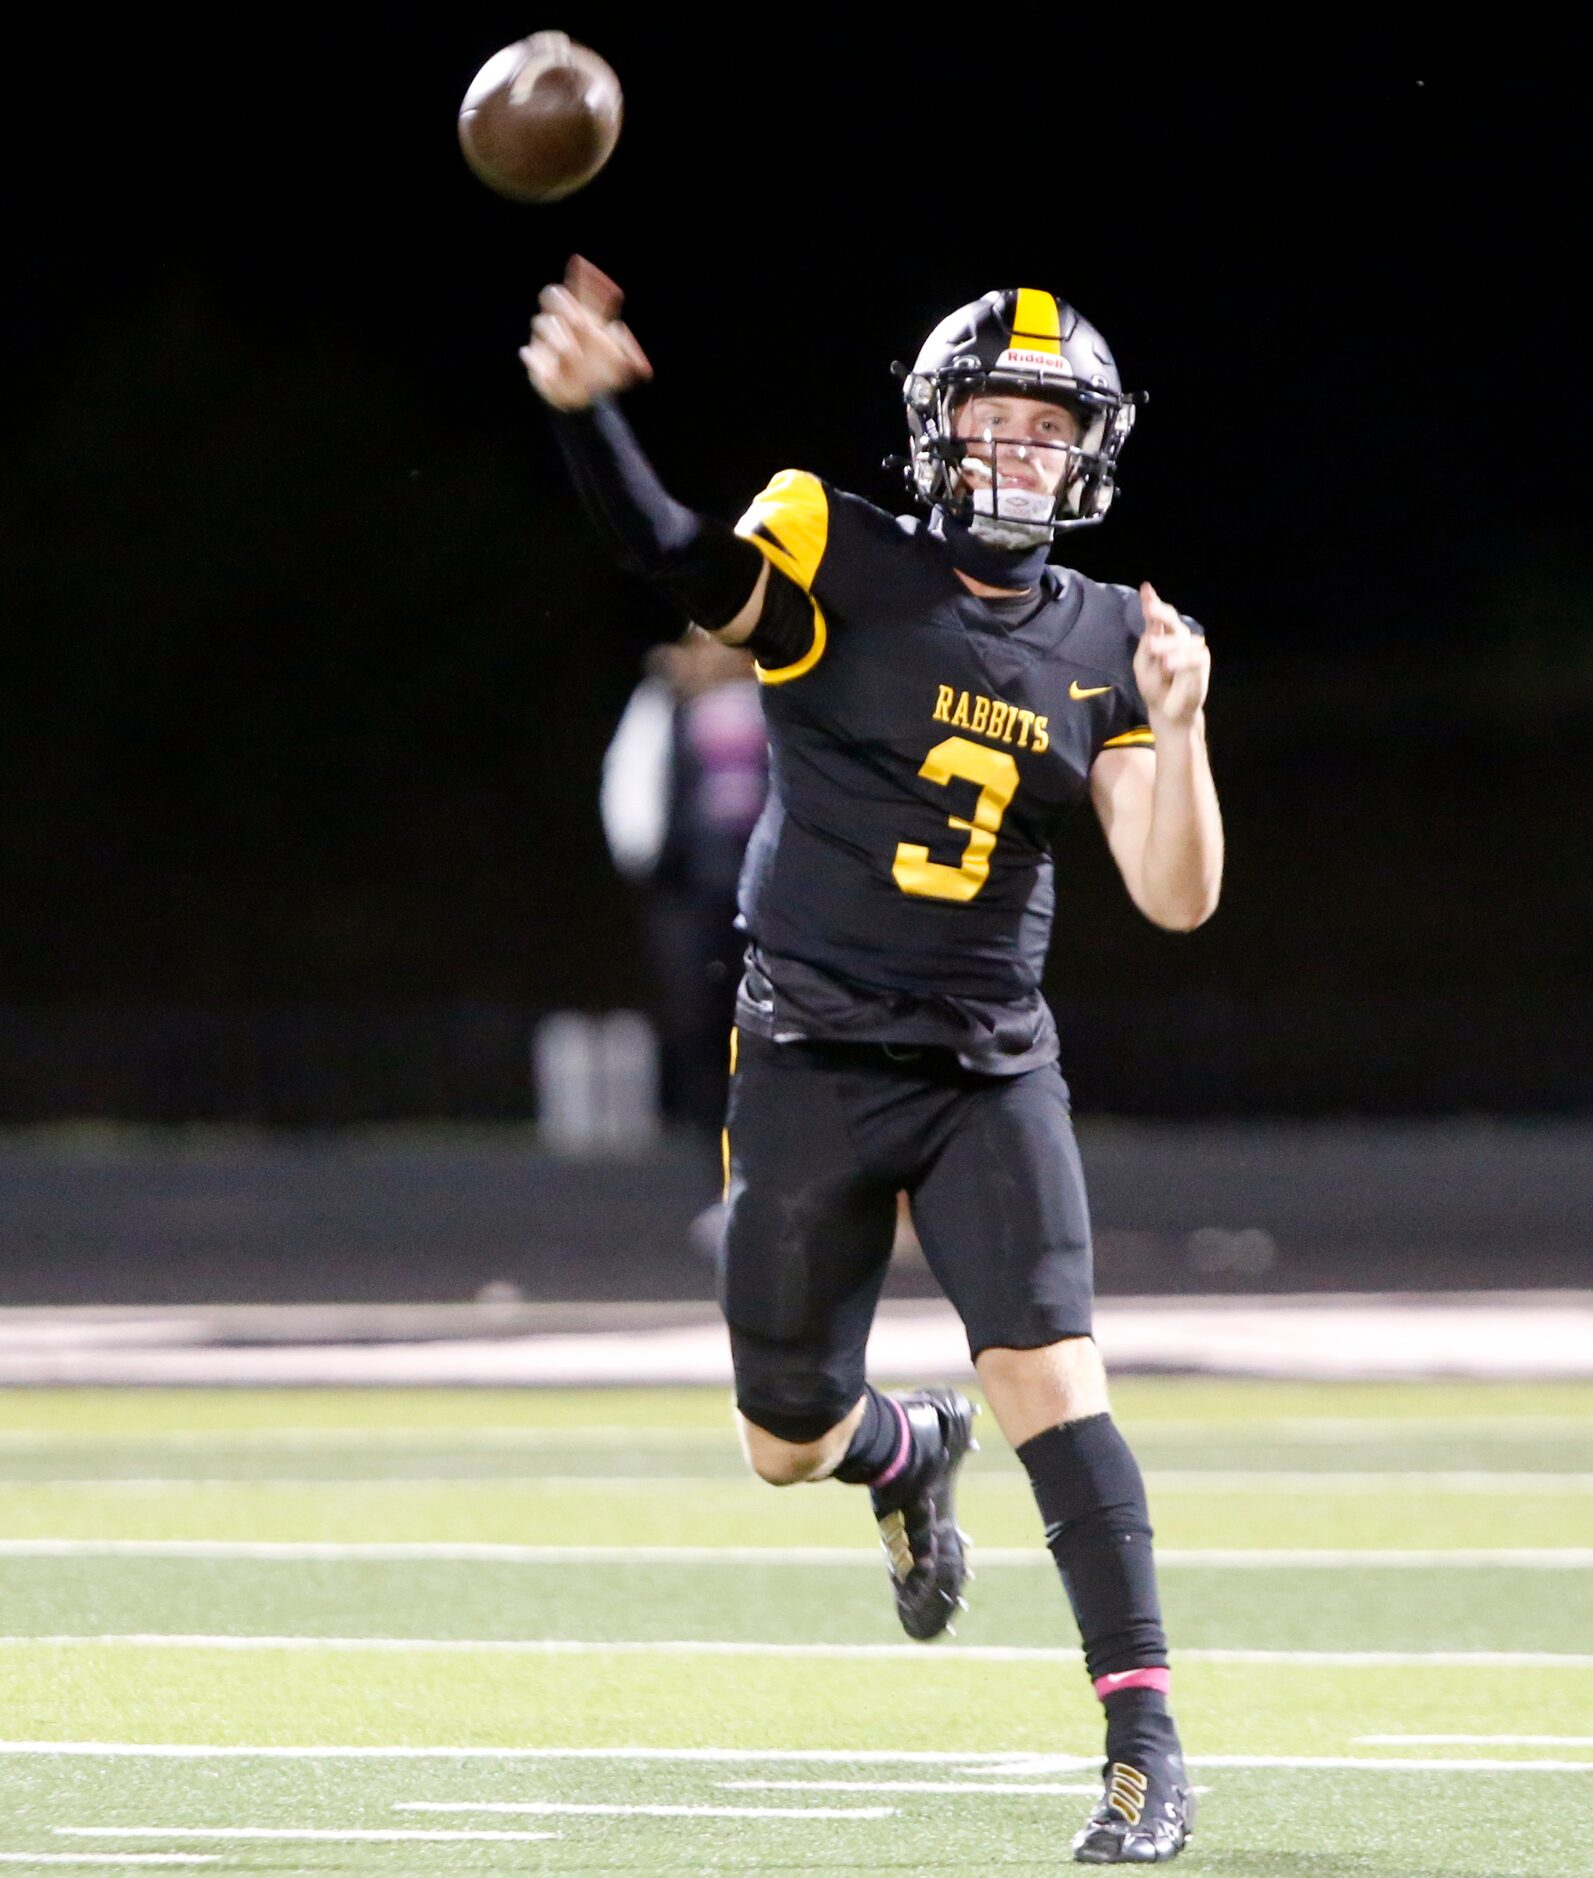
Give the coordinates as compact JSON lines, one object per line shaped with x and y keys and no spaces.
{"x":1137,"y":1719}
{"x":889,"y":1450}
{"x":1092,"y":1499}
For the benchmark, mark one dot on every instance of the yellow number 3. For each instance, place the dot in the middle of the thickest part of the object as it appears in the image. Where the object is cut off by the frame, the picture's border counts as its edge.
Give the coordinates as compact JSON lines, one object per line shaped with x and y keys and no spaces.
{"x":997,"y":776}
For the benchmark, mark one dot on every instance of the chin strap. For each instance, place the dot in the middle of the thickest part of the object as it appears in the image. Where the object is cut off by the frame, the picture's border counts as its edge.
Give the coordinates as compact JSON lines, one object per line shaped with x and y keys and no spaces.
{"x":996,"y":567}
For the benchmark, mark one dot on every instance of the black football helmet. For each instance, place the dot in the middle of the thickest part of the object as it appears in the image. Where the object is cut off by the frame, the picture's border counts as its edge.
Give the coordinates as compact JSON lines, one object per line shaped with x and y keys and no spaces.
{"x":1027,"y":343}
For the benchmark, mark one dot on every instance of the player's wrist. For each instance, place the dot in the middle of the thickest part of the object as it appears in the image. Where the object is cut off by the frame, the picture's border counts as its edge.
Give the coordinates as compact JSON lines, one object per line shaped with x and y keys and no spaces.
{"x":572,"y":404}
{"x":1188,"y":727}
{"x":586,"y":396}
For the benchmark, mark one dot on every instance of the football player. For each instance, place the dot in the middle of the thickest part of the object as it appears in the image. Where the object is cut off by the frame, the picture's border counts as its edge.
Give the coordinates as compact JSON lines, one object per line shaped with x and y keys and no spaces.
{"x":938,"y":697}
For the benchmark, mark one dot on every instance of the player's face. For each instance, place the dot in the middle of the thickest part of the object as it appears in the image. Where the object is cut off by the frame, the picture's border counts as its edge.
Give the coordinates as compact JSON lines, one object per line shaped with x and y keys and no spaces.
{"x":1022,"y":442}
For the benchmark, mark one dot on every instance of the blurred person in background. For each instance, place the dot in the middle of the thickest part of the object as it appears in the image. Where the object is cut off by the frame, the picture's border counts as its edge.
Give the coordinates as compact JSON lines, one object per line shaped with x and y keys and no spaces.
{"x":684,"y":780}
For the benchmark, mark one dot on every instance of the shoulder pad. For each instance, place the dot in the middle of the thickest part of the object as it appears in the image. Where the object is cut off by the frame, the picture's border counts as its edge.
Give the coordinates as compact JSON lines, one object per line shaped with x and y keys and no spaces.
{"x":789,"y":522}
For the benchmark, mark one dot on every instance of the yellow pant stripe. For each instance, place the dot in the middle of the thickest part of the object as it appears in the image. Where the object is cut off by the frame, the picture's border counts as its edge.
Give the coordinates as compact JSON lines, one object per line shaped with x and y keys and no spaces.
{"x":724,"y":1133}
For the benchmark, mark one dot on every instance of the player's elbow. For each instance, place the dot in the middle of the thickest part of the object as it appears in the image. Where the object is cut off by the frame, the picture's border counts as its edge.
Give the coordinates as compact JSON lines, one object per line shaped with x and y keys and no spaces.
{"x":1177,"y":891}
{"x":1183,"y":912}
{"x":1185,"y":922}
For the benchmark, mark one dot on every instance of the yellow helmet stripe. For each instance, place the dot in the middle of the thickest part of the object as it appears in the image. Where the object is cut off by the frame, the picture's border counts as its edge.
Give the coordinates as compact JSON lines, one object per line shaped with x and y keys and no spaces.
{"x":1037,"y":322}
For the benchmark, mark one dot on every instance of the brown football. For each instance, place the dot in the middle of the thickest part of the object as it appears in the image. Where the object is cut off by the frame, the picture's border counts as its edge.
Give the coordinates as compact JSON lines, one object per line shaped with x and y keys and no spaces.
{"x":541,"y":118}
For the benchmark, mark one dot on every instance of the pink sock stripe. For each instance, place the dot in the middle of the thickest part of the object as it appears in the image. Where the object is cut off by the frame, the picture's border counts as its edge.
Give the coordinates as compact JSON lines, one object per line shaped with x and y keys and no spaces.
{"x":1159,"y":1679}
{"x":904,"y":1448}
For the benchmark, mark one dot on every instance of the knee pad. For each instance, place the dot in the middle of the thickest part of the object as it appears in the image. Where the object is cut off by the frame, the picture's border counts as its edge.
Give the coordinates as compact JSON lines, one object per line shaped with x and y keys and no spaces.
{"x":788,"y":1421}
{"x":793,"y":1391}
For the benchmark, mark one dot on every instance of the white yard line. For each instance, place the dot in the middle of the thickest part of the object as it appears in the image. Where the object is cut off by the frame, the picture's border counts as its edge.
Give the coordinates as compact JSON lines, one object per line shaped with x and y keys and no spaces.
{"x":110,"y":1858}
{"x":1530,"y":1558}
{"x":1400,"y":1659}
{"x":249,"y":1483}
{"x":1166,"y":1480}
{"x":716,"y":1757}
{"x":1034,"y":1766}
{"x":716,"y":1646}
{"x":909,"y":1786}
{"x":1312,"y":1429}
{"x":327,"y":1835}
{"x":1391,"y":1764}
{"x":1022,"y":1767}
{"x":1315,"y":1428}
{"x":617,"y":1810}
{"x":1474,"y":1741}
{"x":998,"y":1762}
{"x":1308,"y":1480}
{"x":612,"y":1435}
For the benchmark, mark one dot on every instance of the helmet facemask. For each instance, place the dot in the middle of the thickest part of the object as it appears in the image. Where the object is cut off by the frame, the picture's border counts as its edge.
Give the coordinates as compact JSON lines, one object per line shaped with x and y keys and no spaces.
{"x":955,"y":472}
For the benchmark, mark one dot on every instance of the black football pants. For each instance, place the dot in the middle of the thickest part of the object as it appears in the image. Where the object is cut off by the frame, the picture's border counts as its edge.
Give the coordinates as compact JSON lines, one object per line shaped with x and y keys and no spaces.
{"x":822,"y":1137}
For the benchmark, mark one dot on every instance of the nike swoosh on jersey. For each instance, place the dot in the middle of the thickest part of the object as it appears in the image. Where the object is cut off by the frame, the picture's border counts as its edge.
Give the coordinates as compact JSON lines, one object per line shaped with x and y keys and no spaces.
{"x":1075,"y":690}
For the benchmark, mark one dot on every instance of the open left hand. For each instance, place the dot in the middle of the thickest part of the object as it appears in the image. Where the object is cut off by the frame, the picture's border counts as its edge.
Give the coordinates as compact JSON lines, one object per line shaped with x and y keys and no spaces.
{"x":1172,"y":665}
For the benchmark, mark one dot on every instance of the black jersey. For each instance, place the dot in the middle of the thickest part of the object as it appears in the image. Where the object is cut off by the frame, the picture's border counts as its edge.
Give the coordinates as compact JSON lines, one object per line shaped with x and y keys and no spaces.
{"x":923,"y":750}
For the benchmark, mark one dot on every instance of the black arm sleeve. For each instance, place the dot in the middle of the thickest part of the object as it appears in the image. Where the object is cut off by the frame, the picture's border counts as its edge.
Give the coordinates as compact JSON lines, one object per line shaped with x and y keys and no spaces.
{"x":784,"y":632}
{"x":699,"y":563}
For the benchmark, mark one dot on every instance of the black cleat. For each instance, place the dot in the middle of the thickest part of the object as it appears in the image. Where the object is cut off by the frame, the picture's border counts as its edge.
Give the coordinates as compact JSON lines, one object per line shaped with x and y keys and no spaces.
{"x":923,"y":1546}
{"x":1145,"y":1817}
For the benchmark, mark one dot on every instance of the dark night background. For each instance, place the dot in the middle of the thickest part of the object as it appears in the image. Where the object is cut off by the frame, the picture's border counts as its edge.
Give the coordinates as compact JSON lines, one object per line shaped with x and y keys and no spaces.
{"x":310,"y":660}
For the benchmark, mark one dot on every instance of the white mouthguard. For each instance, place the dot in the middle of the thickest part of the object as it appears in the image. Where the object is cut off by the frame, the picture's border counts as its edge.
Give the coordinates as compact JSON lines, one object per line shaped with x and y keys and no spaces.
{"x":1016,"y":505}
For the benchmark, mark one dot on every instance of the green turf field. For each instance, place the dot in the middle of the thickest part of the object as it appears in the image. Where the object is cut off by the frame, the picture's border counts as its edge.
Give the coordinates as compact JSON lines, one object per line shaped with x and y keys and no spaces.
{"x":410,"y":1632}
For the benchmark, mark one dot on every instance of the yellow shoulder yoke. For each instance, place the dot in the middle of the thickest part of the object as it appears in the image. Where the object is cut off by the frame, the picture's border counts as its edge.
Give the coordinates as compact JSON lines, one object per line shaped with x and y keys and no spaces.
{"x":790,"y":523}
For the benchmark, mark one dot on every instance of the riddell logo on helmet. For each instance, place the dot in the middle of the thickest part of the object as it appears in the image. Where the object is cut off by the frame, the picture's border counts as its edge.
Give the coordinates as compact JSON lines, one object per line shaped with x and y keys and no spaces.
{"x":1014,"y":359}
